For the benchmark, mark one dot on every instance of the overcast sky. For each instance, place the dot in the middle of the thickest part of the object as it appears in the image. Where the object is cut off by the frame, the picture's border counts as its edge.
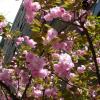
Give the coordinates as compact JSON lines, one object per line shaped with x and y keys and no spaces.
{"x":9,"y":8}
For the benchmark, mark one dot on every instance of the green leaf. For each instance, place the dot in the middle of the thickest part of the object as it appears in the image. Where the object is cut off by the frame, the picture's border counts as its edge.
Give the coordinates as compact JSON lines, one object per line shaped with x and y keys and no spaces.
{"x":35,"y":29}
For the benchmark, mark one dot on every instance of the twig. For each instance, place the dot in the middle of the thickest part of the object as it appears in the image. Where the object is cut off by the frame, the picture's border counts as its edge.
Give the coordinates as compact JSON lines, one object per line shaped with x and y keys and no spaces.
{"x":93,"y":53}
{"x":9,"y":91}
{"x":43,"y":97}
{"x":18,"y":87}
{"x":66,"y":81}
{"x":26,"y":88}
{"x":4,"y":93}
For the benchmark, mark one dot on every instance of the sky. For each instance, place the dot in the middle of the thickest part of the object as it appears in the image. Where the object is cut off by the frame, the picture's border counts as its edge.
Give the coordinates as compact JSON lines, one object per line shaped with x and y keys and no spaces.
{"x":9,"y":9}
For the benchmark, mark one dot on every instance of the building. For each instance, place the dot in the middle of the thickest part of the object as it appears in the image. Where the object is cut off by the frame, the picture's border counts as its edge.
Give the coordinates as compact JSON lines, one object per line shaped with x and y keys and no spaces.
{"x":20,"y":22}
{"x":96,"y":8}
{"x":18,"y":25}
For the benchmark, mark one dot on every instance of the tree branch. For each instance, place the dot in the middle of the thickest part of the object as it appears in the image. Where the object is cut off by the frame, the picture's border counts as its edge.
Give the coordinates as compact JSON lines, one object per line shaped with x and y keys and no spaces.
{"x":93,"y":53}
{"x":4,"y":93}
{"x":9,"y":91}
{"x":26,"y":88}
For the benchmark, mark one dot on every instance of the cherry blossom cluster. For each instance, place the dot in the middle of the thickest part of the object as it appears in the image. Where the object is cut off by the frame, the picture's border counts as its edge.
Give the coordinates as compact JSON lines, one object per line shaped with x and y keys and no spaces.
{"x":2,"y":25}
{"x":81,"y":69}
{"x":27,"y":40}
{"x":66,"y":45}
{"x":31,"y":8}
{"x":51,"y":34}
{"x":49,"y":92}
{"x":36,"y":65}
{"x":58,"y":12}
{"x":64,"y":66}
{"x":5,"y":75}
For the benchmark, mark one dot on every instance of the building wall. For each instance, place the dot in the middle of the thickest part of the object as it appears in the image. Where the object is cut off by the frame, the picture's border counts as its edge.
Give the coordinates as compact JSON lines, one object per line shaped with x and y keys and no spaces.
{"x":18,"y":25}
{"x":20,"y":22}
{"x":96,"y":8}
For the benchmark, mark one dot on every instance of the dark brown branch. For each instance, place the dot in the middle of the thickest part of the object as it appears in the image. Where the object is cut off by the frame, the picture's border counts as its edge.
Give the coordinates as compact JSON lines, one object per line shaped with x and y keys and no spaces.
{"x":26,"y":88}
{"x":93,"y":53}
{"x":4,"y":93}
{"x":68,"y":24}
{"x":9,"y":91}
{"x":43,"y":97}
{"x":64,"y":80}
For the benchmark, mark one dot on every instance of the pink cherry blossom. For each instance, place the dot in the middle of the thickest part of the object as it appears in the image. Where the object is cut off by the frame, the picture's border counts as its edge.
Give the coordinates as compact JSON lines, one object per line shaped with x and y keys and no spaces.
{"x":5,"y":76}
{"x":27,"y":3}
{"x":98,"y":60}
{"x":29,"y":57}
{"x":31,"y":43}
{"x":66,"y":16}
{"x":69,"y":86}
{"x":52,"y":33}
{"x":48,"y":92}
{"x":66,"y":59}
{"x":55,"y":56}
{"x":20,"y":39}
{"x":24,"y":77}
{"x":2,"y":96}
{"x":51,"y":92}
{"x":38,"y":87}
{"x":29,"y":18}
{"x":1,"y":30}
{"x":48,"y":17}
{"x":43,"y":73}
{"x":57,"y":12}
{"x":18,"y":43}
{"x":37,"y":93}
{"x":26,"y":38}
{"x":3,"y":24}
{"x":36,"y":65}
{"x":35,"y":73}
{"x":31,"y":8}
{"x":81,"y":69}
{"x":66,"y":45}
{"x":65,"y":64}
{"x":36,"y":6}
{"x":80,"y":52}
{"x":28,"y":6}
{"x":61,"y":69}
{"x":71,"y":75}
